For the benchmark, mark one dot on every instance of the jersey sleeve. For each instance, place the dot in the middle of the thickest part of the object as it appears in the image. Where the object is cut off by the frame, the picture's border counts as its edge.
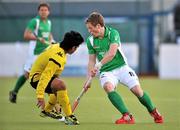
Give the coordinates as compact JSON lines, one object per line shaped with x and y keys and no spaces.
{"x":114,"y":37}
{"x":90,"y":47}
{"x":53,"y":65}
{"x":31,"y":25}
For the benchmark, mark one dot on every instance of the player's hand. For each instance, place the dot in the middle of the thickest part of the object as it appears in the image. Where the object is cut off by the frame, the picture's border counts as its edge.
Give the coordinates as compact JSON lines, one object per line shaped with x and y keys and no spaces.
{"x":42,"y":40}
{"x":94,"y":71}
{"x":41,"y":103}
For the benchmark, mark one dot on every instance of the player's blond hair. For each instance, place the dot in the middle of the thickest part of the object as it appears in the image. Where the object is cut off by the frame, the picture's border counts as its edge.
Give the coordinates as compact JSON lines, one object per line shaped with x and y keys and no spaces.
{"x":95,"y":18}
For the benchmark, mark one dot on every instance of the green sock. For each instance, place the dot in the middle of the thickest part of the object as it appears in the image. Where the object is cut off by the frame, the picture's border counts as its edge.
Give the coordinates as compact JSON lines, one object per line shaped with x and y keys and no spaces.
{"x":21,"y":80}
{"x":146,"y":101}
{"x":116,"y":100}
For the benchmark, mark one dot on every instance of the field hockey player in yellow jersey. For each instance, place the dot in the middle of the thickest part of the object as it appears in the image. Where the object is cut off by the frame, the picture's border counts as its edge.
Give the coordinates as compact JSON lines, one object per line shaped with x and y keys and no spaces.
{"x":44,"y":75}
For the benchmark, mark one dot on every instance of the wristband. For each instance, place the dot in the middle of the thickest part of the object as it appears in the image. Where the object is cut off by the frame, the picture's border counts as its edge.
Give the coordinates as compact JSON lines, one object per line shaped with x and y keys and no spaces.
{"x":98,"y":65}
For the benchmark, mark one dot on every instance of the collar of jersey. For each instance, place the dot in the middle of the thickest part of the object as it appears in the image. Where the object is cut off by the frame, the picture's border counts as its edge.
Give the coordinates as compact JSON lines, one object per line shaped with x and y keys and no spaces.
{"x":106,"y":31}
{"x":39,"y":17}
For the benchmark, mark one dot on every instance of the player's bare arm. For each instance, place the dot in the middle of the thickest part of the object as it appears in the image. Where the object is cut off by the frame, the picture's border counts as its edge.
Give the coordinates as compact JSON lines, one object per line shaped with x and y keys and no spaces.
{"x":110,"y":54}
{"x":91,"y":63}
{"x":107,"y":57}
{"x":28,"y":35}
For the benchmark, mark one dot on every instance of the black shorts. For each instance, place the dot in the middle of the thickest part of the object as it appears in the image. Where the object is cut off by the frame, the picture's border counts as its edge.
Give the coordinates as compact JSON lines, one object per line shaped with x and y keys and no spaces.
{"x":48,"y":88}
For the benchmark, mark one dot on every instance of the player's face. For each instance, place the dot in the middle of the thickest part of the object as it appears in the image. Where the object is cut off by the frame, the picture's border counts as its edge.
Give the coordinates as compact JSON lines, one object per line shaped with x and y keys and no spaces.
{"x":94,"y":30}
{"x":71,"y":51}
{"x":44,"y":12}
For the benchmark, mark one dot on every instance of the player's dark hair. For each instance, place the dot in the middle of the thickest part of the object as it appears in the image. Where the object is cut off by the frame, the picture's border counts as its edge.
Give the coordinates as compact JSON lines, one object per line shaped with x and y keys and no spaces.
{"x":95,"y":18}
{"x":43,"y":5}
{"x":71,"y":39}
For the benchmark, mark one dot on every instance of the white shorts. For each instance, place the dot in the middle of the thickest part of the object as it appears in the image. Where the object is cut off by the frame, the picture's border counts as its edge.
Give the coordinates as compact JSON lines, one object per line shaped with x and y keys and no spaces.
{"x":125,"y":75}
{"x":31,"y":57}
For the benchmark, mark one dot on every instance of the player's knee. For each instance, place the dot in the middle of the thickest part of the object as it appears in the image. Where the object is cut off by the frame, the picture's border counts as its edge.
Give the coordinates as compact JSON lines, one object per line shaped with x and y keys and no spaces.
{"x":58,"y":84}
{"x":108,"y":87}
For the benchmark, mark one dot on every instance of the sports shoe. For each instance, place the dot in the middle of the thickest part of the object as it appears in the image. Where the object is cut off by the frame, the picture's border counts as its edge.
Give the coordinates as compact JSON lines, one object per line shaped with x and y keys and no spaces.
{"x":157,"y":116}
{"x":59,"y":114}
{"x":71,"y":120}
{"x":12,"y":96}
{"x":125,"y":119}
{"x":53,"y":115}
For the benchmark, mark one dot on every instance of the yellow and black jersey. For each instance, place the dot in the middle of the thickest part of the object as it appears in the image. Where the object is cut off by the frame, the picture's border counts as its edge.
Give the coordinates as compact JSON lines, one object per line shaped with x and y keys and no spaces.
{"x":48,"y":64}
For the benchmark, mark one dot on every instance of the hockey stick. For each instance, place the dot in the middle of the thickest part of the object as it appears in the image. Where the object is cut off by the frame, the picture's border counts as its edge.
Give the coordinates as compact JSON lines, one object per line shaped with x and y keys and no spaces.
{"x":85,"y":88}
{"x":38,"y":38}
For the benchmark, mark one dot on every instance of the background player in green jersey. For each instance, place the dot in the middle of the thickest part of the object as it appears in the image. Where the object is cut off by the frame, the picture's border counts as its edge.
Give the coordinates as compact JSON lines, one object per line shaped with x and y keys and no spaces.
{"x":104,"y":44}
{"x":38,"y":32}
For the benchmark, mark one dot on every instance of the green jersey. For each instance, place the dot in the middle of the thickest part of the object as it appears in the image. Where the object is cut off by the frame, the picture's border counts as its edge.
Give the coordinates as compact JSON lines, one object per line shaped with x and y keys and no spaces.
{"x":41,"y":29}
{"x":101,"y":46}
